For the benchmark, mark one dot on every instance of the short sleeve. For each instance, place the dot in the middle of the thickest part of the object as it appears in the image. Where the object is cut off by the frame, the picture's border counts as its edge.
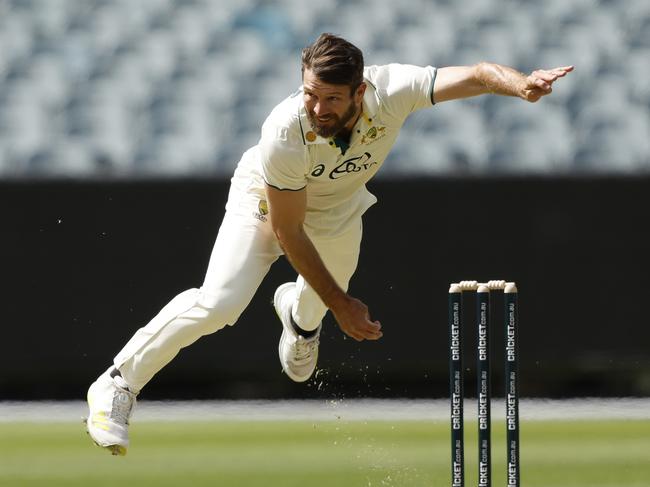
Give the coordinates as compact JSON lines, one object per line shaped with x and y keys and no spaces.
{"x":407,"y":88}
{"x":283,"y":159}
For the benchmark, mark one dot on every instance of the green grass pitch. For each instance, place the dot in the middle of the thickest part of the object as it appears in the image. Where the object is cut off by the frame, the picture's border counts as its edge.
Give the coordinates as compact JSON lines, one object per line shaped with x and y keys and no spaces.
{"x":320,"y":454}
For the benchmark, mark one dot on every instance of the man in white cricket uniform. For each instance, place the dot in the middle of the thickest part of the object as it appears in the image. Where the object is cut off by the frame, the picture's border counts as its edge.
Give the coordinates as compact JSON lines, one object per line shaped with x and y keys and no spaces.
{"x":299,"y":192}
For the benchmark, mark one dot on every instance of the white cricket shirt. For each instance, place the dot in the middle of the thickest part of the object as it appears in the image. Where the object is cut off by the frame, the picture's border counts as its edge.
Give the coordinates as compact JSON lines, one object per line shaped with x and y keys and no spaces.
{"x":290,"y":156}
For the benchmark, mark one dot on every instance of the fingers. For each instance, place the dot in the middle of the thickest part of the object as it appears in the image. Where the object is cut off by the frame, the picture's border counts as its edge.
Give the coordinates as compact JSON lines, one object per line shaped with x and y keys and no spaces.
{"x":536,"y":88}
{"x":549,"y":75}
{"x":563,"y":70}
{"x":533,"y":95}
{"x":542,"y":83}
{"x":557,"y":72}
{"x":355,"y":321}
{"x":370,"y":330}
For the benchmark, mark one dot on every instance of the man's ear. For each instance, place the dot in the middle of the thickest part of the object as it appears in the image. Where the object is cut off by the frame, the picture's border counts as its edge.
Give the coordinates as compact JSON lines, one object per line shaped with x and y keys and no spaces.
{"x":358,"y":94}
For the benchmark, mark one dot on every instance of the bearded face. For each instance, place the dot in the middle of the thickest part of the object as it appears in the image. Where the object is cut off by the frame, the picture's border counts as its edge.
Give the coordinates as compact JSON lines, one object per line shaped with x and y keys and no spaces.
{"x":330,"y":108}
{"x":331,"y":124}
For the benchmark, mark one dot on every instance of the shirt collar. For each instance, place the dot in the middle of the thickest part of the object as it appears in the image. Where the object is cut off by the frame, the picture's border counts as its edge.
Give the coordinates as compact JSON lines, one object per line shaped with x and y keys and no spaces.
{"x":368,"y":113}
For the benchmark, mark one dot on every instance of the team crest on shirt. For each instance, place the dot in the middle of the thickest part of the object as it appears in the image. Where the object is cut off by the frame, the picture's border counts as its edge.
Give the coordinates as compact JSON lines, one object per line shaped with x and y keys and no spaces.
{"x":373,"y":133}
{"x":262,"y":211}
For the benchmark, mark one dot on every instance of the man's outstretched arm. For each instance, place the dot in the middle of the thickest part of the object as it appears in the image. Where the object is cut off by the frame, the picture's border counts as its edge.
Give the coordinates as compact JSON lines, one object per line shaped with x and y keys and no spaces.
{"x":486,"y":78}
{"x":287,"y":211}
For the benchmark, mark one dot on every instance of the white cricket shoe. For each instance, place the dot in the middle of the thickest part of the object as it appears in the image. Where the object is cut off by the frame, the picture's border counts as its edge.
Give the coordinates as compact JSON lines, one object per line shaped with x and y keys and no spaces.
{"x":110,"y":402}
{"x":298,"y":355}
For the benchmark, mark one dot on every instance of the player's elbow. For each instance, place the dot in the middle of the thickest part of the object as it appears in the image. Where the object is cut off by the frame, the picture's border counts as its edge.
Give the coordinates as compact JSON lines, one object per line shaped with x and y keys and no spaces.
{"x":286,"y":232}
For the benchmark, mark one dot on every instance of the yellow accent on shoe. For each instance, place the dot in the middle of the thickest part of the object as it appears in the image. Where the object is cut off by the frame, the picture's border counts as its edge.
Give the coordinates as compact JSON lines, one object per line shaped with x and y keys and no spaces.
{"x":116,"y":450}
{"x":99,"y":421}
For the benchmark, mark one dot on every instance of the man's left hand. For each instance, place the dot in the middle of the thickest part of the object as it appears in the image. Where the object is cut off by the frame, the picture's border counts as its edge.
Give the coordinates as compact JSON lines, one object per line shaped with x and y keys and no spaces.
{"x":540,"y":82}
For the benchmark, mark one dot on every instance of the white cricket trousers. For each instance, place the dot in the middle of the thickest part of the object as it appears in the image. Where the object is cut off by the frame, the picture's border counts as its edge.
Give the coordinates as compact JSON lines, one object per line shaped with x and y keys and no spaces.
{"x":243,"y":252}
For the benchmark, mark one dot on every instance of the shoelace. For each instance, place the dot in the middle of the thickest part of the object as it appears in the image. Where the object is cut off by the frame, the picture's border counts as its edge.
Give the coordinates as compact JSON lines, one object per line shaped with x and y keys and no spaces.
{"x":122,"y":405}
{"x":305,"y":348}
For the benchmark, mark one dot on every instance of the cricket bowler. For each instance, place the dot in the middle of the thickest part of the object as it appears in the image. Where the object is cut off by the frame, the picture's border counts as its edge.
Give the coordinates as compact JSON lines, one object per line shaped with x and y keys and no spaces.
{"x":300,"y":192}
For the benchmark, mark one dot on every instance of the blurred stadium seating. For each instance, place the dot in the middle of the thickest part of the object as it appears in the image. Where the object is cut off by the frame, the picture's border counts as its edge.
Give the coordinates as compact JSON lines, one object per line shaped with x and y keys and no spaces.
{"x":158,"y":88}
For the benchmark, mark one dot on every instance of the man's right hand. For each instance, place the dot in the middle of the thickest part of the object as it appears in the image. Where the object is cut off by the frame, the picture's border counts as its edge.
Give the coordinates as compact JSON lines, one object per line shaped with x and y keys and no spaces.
{"x":354,"y":320}
{"x":287,"y":210}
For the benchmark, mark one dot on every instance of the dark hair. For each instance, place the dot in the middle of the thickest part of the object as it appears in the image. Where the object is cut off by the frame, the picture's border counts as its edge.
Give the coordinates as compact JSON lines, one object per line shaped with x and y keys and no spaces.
{"x":334,"y":60}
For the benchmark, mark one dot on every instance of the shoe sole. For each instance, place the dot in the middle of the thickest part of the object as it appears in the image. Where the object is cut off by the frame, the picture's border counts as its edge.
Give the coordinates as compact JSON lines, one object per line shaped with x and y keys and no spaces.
{"x":116,"y":450}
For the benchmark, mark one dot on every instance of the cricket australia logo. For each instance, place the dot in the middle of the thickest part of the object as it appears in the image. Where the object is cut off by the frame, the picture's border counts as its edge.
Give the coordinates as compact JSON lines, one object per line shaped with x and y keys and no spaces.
{"x":373,"y":133}
{"x":262,"y":211}
{"x":354,"y":165}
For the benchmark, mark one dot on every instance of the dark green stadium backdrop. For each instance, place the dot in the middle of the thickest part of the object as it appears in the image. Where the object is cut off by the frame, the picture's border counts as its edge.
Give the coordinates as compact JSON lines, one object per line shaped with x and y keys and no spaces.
{"x":85,"y":264}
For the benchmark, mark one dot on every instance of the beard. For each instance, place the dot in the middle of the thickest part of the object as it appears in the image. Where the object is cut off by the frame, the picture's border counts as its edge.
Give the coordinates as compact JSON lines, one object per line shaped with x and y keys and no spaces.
{"x":335,"y":124}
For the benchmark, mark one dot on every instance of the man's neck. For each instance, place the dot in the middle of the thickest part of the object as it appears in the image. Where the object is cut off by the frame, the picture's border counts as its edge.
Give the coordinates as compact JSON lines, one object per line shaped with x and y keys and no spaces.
{"x":345,"y":133}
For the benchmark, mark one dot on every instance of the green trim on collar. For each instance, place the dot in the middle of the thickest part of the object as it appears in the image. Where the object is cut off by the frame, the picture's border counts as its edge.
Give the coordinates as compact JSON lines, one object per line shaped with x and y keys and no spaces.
{"x":341,"y":144}
{"x":433,"y":82}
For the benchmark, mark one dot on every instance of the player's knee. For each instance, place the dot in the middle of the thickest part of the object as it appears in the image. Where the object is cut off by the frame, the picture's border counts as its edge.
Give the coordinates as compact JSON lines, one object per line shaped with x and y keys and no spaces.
{"x":219,"y":312}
